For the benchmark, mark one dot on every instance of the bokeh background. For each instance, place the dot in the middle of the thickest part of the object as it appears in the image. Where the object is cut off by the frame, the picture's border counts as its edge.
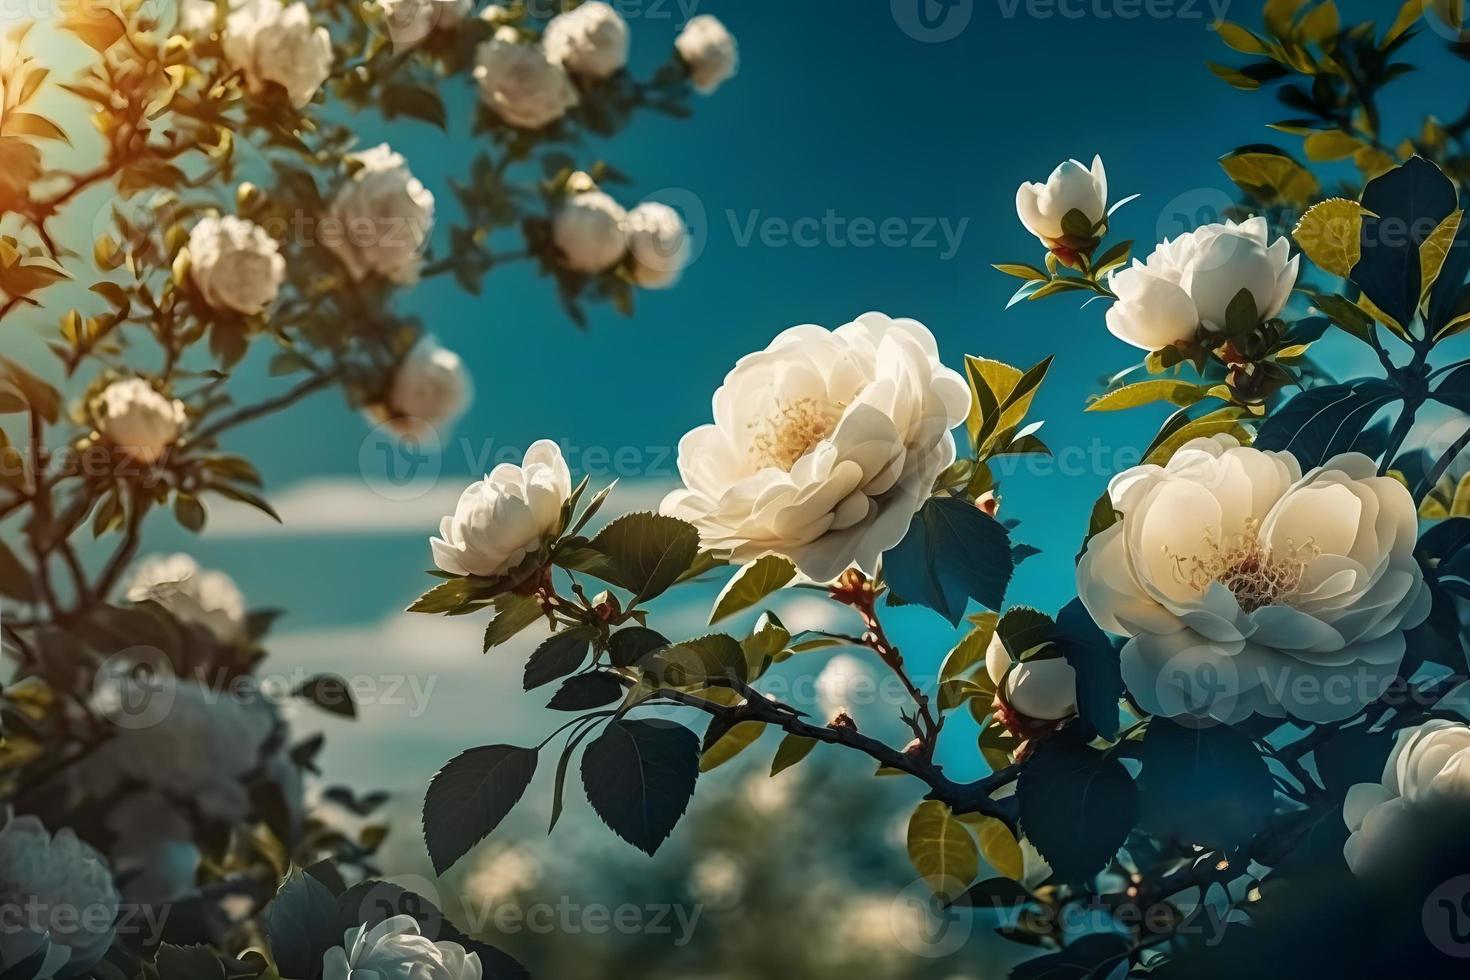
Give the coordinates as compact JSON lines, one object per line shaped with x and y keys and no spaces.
{"x":843,"y":111}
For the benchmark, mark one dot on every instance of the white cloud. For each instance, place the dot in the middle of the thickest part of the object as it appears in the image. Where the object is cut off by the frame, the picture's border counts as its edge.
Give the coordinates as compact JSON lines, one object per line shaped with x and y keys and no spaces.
{"x":344,"y":505}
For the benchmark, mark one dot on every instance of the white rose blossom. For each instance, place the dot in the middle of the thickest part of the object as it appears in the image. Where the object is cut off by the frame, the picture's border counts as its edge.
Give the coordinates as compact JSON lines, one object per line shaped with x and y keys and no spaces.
{"x":383,"y":216}
{"x":395,"y":949}
{"x":202,"y":597}
{"x":1427,"y":776}
{"x":709,"y":51}
{"x":235,"y":264}
{"x":182,"y":739}
{"x":1043,"y":688}
{"x":56,"y":890}
{"x":590,"y":40}
{"x":1190,"y":281}
{"x":430,"y":387}
{"x":1072,"y":186}
{"x":1247,"y":588}
{"x":588,"y":228}
{"x":137,"y":420}
{"x":274,"y":43}
{"x":410,"y":22}
{"x":520,"y":83}
{"x":658,"y":244}
{"x":506,"y":516}
{"x":198,"y":18}
{"x":823,"y":447}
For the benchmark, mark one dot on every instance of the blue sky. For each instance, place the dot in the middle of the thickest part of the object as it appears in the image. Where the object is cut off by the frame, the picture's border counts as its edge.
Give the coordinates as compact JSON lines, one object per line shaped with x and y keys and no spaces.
{"x":838,"y":116}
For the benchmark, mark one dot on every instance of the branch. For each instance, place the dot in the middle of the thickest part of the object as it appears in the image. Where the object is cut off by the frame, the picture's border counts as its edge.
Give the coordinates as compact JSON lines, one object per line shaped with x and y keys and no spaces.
{"x":253,"y":412}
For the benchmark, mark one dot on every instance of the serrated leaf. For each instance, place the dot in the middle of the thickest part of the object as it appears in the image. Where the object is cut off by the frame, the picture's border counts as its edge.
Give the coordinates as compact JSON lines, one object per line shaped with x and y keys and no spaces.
{"x":942,"y":850}
{"x":558,"y":655}
{"x":470,"y":796}
{"x":1000,"y":847}
{"x":639,"y":776}
{"x":1329,"y":234}
{"x":751,"y":584}
{"x":648,"y":552}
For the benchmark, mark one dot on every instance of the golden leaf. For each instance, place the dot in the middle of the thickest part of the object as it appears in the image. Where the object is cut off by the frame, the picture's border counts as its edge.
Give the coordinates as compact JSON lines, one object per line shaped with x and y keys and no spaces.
{"x":1330,"y":235}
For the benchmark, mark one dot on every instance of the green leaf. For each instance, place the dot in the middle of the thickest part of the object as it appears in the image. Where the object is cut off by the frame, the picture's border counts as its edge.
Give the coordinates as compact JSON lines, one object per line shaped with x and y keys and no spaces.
{"x":1077,"y":805}
{"x":700,"y":662}
{"x":1022,"y":271}
{"x":301,"y":923}
{"x":1332,"y":144}
{"x":1202,"y":786}
{"x":953,"y":552}
{"x":970,"y":651}
{"x":1023,"y":629}
{"x":648,"y":552}
{"x":1268,"y":173}
{"x":513,"y":613}
{"x":631,"y":644}
{"x":751,"y":584}
{"x":1000,"y":847}
{"x":793,"y":749}
{"x":639,"y":776}
{"x":1241,"y":316}
{"x":558,"y":655}
{"x":942,"y":850}
{"x":330,"y":693}
{"x":1181,"y":393}
{"x":1403,"y":208}
{"x":730,"y":744}
{"x":415,"y":102}
{"x":583,"y":691}
{"x":469,"y":798}
{"x":1319,"y":423}
{"x":1330,"y":235}
{"x":189,"y":511}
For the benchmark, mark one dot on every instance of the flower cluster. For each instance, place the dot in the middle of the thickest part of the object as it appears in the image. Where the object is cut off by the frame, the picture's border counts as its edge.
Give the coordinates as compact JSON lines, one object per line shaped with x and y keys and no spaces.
{"x":593,"y":233}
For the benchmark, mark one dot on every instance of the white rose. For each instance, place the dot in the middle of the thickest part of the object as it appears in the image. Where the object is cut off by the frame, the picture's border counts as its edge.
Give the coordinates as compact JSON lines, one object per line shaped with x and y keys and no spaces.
{"x":207,"y":598}
{"x":182,"y":739}
{"x":1191,"y":280}
{"x":844,"y":681}
{"x":506,"y":516}
{"x":57,"y":888}
{"x":709,"y":51}
{"x":382,"y":217}
{"x":394,"y":949}
{"x":588,"y":229}
{"x":824,"y":446}
{"x":1247,"y":588}
{"x":658,"y":244}
{"x":411,"y":21}
{"x":590,"y":40}
{"x":272,"y":43}
{"x":235,"y":264}
{"x":1427,"y":774}
{"x":430,"y":386}
{"x":1044,"y":689}
{"x":136,"y":420}
{"x":520,"y":84}
{"x":1071,"y":187}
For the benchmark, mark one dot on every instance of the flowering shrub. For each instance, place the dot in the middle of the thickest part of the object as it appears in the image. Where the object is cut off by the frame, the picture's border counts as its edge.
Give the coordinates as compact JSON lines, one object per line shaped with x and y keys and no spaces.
{"x":1258,"y":623}
{"x":144,"y":766}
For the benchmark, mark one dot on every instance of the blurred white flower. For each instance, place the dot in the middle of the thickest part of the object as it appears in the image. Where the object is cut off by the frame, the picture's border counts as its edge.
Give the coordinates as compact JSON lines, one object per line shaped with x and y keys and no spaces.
{"x":138,"y":421}
{"x":520,"y":84}
{"x":430,"y":386}
{"x":411,"y":21}
{"x":503,"y":874}
{"x":1072,"y":186}
{"x":1043,"y":689}
{"x":717,"y":880}
{"x":709,"y":51}
{"x":203,"y":597}
{"x":394,"y":949}
{"x":588,"y":228}
{"x":506,"y":516}
{"x":276,"y":44}
{"x":837,"y":685}
{"x":198,"y":18}
{"x":590,"y":40}
{"x":1427,"y":774}
{"x":182,"y":739}
{"x":1247,"y":588}
{"x":382,"y":215}
{"x":234,"y":264}
{"x":153,"y":849}
{"x":824,"y":446}
{"x":658,"y":243}
{"x":57,"y":890}
{"x":1190,"y":281}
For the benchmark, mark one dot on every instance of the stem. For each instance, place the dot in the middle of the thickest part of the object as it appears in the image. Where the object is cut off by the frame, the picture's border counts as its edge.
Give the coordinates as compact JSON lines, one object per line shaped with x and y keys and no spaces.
{"x":253,"y":412}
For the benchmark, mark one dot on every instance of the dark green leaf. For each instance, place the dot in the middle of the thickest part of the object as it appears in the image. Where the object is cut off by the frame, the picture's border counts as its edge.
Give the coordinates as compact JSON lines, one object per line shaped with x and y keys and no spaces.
{"x":302,"y":925}
{"x":1402,"y":208}
{"x":586,"y":691}
{"x":1207,"y":786}
{"x":1077,"y":805}
{"x":953,"y":552}
{"x":639,"y":776}
{"x":330,"y":693}
{"x":558,"y":655}
{"x":470,"y":796}
{"x":1321,"y":422}
{"x":648,"y":551}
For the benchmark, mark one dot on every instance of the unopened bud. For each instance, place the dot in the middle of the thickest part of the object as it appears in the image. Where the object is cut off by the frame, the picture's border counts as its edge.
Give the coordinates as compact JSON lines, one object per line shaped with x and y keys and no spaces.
{"x":842,"y":722}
